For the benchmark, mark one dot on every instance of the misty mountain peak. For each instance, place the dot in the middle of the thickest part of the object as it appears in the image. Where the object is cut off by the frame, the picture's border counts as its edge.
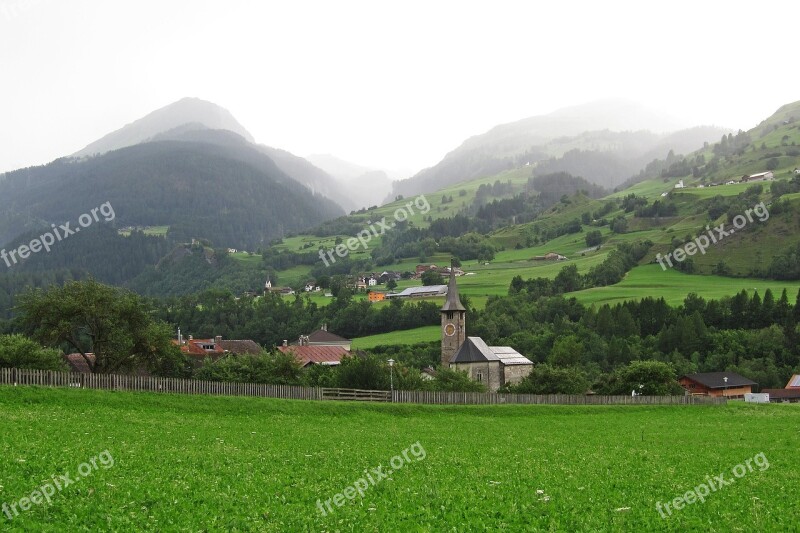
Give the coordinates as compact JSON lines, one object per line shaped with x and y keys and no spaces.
{"x":199,"y":113}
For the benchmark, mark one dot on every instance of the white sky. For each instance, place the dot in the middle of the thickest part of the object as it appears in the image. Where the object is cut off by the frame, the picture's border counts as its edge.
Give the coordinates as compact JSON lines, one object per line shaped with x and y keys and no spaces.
{"x":385,"y":84}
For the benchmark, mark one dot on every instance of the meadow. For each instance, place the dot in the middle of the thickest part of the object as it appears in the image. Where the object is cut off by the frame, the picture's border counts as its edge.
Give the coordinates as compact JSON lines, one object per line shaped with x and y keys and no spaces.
{"x":245,"y":464}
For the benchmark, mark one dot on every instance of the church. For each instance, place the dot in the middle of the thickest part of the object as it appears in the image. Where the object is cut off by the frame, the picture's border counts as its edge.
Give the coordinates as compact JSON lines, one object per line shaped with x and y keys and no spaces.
{"x":494,"y":366}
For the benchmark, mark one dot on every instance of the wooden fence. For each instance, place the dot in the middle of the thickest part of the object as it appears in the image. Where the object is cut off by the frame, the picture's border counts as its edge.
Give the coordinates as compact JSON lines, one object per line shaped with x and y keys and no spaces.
{"x":47,"y":378}
{"x":483,"y":398}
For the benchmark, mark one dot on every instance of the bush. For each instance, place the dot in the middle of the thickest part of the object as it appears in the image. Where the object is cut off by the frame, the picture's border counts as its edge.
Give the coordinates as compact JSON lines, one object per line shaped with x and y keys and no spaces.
{"x":18,"y":351}
{"x":545,"y":379}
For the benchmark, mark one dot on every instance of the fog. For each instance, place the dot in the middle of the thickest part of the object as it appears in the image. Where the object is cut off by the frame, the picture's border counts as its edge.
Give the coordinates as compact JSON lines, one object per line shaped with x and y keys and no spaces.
{"x":384,"y":85}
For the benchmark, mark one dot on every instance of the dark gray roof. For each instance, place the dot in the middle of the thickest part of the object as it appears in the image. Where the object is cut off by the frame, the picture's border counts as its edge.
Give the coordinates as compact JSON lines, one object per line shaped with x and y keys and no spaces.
{"x":716,"y":380}
{"x":241,"y":347}
{"x":322,"y":335}
{"x":474,"y":350}
{"x":453,"y":302}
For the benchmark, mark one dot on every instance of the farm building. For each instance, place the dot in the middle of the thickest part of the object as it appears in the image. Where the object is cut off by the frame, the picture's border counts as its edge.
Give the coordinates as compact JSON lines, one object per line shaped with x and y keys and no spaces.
{"x":550,"y":256}
{"x":376,"y":296}
{"x":794,"y":382}
{"x":761,"y":176}
{"x":426,"y":291}
{"x":728,"y":384}
{"x":494,"y":366}
{"x":783,"y":395}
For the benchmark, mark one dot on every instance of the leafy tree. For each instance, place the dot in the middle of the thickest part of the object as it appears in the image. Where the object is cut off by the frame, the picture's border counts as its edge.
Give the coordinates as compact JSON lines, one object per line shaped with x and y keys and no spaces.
{"x":363,"y":371}
{"x":391,"y":284}
{"x":546,"y":379}
{"x":113,"y":324}
{"x":18,"y":351}
{"x":450,"y":380}
{"x":431,"y":277}
{"x":272,"y":368}
{"x":594,"y":238}
{"x":567,"y":351}
{"x":650,"y":378}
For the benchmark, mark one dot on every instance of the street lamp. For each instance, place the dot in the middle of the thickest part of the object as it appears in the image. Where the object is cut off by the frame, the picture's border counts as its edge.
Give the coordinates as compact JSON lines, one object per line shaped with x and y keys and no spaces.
{"x":391,"y":374}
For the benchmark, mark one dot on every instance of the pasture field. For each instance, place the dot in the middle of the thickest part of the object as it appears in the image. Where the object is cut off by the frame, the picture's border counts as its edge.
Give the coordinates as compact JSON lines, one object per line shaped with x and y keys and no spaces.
{"x":407,"y":336}
{"x":673,"y":286}
{"x":191,"y":463}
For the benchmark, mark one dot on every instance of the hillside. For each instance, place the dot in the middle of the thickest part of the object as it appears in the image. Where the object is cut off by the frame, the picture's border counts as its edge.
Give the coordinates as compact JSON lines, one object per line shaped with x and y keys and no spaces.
{"x":233,"y":196}
{"x":605,"y":142}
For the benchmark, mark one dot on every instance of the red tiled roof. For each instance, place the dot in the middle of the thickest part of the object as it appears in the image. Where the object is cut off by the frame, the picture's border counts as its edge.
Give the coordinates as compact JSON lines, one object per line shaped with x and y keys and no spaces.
{"x":77,"y":363}
{"x":319,"y":355}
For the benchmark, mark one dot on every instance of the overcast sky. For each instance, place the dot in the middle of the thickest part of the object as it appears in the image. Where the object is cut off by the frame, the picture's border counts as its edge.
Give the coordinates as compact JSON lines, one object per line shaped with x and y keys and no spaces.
{"x":384,"y":84}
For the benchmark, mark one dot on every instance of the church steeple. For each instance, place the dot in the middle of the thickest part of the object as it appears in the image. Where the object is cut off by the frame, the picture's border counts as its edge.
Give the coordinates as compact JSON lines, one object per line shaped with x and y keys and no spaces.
{"x":454,"y":321}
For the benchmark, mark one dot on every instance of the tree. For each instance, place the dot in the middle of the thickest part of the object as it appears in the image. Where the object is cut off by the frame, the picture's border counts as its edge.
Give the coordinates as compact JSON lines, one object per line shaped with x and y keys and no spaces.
{"x":391,"y":284}
{"x":431,"y":277}
{"x":113,"y":324}
{"x":449,"y":380}
{"x":649,"y":378}
{"x":363,"y":372}
{"x":545,"y":379}
{"x":18,"y":351}
{"x":594,"y":238}
{"x":567,"y":351}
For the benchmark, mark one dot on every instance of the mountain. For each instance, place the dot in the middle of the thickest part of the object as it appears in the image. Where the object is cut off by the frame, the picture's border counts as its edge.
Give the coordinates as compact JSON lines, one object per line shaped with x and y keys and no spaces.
{"x":229,"y":193}
{"x":185,"y":111}
{"x":620,"y":136}
{"x":365,"y":186}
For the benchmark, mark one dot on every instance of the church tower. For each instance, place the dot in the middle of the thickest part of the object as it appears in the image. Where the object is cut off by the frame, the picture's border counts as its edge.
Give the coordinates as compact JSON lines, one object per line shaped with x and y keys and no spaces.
{"x":454,"y":322}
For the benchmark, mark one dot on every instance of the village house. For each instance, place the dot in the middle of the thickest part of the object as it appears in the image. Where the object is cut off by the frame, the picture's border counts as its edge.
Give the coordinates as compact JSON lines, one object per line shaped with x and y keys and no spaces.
{"x":320,"y":347}
{"x":198,"y":350}
{"x":376,"y":296}
{"x":727,"y":384}
{"x":285,"y":291}
{"x":494,"y":366}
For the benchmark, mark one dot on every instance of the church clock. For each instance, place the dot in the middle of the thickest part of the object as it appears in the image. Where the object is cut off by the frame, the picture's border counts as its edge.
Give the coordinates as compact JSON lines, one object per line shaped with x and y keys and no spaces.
{"x":449,"y":329}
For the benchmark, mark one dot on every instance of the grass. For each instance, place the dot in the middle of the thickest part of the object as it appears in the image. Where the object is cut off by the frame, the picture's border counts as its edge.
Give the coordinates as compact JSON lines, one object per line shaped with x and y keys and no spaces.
{"x":673,"y":286}
{"x":408,"y":336}
{"x":184,"y":463}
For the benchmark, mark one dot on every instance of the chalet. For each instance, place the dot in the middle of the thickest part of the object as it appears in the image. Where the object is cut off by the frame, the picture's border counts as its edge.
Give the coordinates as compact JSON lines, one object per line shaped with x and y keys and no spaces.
{"x":494,"y":366}
{"x":727,"y":384}
{"x":426,"y":291}
{"x":323,"y":337}
{"x":284,"y":291}
{"x":421,"y":269}
{"x":376,"y":296}
{"x":316,"y":355}
{"x":198,"y":350}
{"x":387,"y":275}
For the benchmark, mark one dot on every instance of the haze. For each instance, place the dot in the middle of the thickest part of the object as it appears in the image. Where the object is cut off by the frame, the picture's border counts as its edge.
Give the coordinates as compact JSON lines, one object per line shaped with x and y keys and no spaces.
{"x":390,"y":85}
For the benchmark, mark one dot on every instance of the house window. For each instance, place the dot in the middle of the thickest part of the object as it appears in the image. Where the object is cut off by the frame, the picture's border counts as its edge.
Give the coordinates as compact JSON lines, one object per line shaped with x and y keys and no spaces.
{"x":479,"y":376}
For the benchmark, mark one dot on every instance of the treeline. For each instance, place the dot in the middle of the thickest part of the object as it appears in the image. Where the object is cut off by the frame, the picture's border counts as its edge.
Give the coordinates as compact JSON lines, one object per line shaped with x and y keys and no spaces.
{"x":755,"y":337}
{"x":272,"y":319}
{"x":609,"y":272}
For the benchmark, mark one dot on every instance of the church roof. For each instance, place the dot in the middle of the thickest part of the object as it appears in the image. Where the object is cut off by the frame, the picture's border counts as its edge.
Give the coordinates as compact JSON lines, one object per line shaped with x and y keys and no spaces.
{"x":453,"y":302}
{"x":475,"y":350}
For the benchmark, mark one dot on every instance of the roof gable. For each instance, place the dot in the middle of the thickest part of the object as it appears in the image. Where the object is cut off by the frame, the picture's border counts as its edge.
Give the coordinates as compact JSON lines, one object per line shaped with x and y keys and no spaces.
{"x":474,"y":350}
{"x":322,"y":335}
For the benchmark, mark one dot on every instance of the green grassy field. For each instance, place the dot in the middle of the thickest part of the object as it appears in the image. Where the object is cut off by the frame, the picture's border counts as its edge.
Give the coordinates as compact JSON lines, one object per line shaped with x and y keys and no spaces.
{"x":673,"y":286}
{"x":191,"y":463}
{"x":408,"y":336}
